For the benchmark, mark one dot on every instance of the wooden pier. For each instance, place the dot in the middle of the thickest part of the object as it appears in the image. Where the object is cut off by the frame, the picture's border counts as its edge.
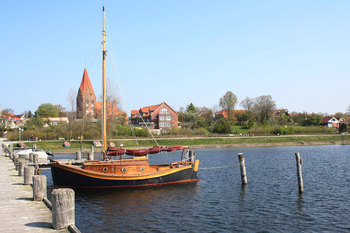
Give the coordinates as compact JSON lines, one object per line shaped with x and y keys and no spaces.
{"x":18,"y":211}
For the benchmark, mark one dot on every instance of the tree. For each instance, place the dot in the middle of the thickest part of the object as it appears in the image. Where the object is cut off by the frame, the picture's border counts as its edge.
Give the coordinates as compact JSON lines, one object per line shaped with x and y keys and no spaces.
{"x":47,"y":110}
{"x":247,"y":104}
{"x":61,"y":110}
{"x":314,"y":120}
{"x":189,"y":117}
{"x":191,"y":108}
{"x":343,"y":128}
{"x":206,"y":114}
{"x":29,"y":114}
{"x":228,"y":103}
{"x":7,"y":110}
{"x":71,"y":97}
{"x":223,"y":126}
{"x":263,"y":108}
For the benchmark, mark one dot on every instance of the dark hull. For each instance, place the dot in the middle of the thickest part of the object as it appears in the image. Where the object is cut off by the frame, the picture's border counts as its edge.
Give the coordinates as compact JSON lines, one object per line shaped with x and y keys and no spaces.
{"x":70,"y":179}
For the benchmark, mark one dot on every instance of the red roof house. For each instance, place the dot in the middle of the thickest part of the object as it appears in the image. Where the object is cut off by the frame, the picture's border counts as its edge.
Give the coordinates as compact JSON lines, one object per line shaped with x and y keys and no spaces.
{"x":160,"y":116}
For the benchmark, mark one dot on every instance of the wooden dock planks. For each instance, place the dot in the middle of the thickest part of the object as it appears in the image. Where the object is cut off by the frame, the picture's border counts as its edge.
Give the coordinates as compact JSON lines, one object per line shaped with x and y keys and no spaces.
{"x":18,"y":213}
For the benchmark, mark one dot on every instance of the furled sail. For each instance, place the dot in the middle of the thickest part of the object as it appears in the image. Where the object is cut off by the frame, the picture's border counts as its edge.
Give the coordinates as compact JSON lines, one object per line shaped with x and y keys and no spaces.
{"x":112,"y":151}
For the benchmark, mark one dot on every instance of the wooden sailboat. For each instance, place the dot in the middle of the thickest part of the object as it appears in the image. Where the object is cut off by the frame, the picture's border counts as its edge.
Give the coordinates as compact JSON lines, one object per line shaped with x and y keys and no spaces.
{"x":116,"y":171}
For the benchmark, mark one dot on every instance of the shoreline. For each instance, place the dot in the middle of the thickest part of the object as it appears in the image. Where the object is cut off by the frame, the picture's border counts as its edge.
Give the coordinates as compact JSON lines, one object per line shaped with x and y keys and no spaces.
{"x":271,"y":144}
{"x":243,"y":145}
{"x":55,"y":146}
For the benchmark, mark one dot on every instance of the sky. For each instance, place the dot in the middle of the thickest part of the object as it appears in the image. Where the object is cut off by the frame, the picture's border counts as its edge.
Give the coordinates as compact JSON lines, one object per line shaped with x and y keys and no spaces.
{"x":178,"y":52}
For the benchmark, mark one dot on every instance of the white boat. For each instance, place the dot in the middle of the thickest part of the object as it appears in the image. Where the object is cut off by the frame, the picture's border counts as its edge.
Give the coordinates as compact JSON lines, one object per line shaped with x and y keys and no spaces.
{"x":42,"y":155}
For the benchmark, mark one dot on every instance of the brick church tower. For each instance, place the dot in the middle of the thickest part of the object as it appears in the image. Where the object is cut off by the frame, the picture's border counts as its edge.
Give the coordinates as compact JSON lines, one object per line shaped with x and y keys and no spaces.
{"x":86,"y":99}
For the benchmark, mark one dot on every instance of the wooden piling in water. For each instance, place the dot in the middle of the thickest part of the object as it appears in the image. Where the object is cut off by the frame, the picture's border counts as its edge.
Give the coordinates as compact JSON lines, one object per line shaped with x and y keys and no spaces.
{"x":78,"y":155}
{"x":31,"y":157}
{"x":28,"y":175}
{"x":242,"y":168}
{"x":299,"y":172}
{"x":91,"y":155}
{"x":39,"y":187}
{"x":63,"y":209}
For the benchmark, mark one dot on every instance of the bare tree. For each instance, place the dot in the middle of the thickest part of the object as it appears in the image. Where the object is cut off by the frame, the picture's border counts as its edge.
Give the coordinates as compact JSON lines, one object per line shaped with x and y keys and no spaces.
{"x":247,"y":104}
{"x":263,"y":108}
{"x":228,"y":103}
{"x":71,"y":98}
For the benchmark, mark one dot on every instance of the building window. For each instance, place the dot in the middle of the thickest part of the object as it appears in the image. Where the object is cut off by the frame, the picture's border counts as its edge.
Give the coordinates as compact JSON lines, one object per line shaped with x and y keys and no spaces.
{"x":161,"y":118}
{"x":168,"y":125}
{"x":87,"y":111}
{"x":161,"y":124}
{"x":164,"y":111}
{"x":87,"y":105}
{"x":168,"y":118}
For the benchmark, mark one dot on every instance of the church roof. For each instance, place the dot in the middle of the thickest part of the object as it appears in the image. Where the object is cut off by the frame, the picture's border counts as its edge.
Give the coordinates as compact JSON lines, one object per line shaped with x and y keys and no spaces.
{"x":85,"y":83}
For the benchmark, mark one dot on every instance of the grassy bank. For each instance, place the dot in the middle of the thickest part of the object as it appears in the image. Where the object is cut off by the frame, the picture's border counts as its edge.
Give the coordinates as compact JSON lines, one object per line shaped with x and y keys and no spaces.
{"x":206,"y":142}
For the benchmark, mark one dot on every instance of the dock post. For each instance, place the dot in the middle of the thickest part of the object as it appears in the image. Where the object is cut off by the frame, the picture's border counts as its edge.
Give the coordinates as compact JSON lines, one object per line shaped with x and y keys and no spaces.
{"x":1,"y":149}
{"x":21,"y":164}
{"x":63,"y":209}
{"x":242,"y":167}
{"x":28,"y":175}
{"x":11,"y":147}
{"x":78,"y":155}
{"x":14,"y":157}
{"x":90,"y":155}
{"x":39,"y":187}
{"x":299,"y":172}
{"x":36,"y":162}
{"x":31,"y":157}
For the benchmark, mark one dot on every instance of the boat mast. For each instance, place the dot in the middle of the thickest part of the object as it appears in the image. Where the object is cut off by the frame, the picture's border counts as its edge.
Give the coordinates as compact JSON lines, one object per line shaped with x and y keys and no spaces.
{"x":104,"y":108}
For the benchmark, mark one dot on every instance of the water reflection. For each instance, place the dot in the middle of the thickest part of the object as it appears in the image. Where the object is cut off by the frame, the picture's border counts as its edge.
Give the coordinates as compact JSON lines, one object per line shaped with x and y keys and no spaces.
{"x":243,"y":191}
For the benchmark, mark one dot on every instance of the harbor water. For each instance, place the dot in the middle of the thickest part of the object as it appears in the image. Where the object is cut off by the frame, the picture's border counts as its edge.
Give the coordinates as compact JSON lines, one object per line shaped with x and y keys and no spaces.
{"x":270,"y":202}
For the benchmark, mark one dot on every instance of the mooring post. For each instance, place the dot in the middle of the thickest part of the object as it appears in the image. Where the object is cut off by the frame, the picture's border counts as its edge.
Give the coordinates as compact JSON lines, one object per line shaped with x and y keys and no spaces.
{"x":31,"y":157}
{"x":299,"y":172}
{"x":28,"y":175}
{"x":36,"y":162}
{"x":39,"y":187}
{"x":21,"y":164}
{"x":11,"y":147}
{"x":63,"y":209}
{"x":242,"y":167}
{"x":90,"y":155}
{"x":1,"y":149}
{"x":78,"y":155}
{"x":14,"y":157}
{"x":93,"y":151}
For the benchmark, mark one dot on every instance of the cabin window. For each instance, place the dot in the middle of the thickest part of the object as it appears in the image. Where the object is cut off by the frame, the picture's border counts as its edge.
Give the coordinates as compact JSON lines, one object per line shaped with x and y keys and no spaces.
{"x":124,"y":169}
{"x":142,"y":169}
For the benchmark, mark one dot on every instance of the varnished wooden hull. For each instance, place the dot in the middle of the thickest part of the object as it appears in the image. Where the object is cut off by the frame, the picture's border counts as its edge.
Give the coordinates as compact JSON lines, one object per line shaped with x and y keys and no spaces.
{"x":69,"y":176}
